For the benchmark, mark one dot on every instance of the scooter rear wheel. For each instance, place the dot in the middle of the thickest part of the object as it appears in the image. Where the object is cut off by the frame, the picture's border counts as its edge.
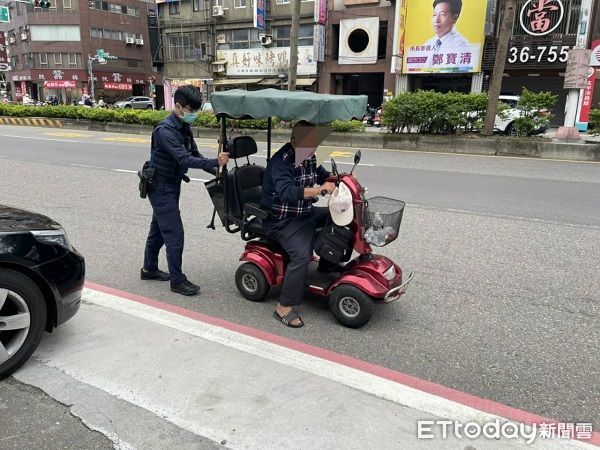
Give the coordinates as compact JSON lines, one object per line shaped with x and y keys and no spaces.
{"x":350,"y":306}
{"x":251,"y":282}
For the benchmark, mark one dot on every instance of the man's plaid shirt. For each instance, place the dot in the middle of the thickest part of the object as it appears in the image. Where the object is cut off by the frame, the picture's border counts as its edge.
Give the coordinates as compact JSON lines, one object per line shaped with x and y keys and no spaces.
{"x":283,"y":185}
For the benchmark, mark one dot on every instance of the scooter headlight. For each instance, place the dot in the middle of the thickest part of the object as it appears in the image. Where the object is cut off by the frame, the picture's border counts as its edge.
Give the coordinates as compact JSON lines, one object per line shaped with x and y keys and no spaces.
{"x":390,"y":273}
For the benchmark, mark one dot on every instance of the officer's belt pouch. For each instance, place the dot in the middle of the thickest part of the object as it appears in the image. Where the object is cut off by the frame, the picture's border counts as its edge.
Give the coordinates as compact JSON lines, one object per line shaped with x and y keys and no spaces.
{"x":146,"y":175}
{"x":334,"y":243}
{"x":216,"y":192}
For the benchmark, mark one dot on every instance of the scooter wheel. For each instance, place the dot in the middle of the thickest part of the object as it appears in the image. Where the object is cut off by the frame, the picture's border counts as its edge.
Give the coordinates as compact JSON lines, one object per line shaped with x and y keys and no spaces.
{"x":251,"y":282}
{"x":350,"y":306}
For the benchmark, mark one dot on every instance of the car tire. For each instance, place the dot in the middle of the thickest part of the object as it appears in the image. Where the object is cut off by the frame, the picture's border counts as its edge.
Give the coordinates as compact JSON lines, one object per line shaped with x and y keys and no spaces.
{"x":350,"y":306}
{"x":510,"y":130}
{"x":251,"y":282}
{"x":127,"y":106}
{"x":19,"y":295}
{"x":149,"y":107}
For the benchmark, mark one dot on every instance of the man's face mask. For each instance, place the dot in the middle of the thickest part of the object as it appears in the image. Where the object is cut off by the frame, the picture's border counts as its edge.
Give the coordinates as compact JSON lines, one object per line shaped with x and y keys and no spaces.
{"x":188,"y":115}
{"x":306,"y":139}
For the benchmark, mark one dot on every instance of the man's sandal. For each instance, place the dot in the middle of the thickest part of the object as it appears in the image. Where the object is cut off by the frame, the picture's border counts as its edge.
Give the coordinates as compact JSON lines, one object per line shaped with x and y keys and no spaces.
{"x":288,"y":318}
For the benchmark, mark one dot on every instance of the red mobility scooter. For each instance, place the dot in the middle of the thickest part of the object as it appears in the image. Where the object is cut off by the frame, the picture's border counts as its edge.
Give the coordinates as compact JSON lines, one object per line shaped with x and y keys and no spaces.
{"x":368,"y":278}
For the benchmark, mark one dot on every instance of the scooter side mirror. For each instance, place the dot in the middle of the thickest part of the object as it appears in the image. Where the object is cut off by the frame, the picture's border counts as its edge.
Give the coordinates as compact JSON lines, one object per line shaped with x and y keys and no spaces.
{"x":334,"y":169}
{"x":356,"y":161}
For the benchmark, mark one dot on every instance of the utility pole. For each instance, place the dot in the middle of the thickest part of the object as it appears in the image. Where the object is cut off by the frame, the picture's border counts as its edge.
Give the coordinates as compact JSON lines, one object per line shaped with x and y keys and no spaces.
{"x":499,"y":63}
{"x":294,"y":31}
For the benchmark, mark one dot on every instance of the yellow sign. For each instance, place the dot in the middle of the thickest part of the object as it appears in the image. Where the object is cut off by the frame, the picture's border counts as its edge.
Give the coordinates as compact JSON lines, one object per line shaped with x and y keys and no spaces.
{"x":444,"y":36}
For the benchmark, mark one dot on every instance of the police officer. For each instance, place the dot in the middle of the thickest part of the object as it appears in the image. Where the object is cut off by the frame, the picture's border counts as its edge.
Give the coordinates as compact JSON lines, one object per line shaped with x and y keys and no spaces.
{"x":173,"y":152}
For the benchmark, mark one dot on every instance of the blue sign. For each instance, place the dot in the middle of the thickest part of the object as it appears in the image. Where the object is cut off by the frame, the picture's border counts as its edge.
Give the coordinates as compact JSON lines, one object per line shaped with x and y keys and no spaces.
{"x":260,"y":14}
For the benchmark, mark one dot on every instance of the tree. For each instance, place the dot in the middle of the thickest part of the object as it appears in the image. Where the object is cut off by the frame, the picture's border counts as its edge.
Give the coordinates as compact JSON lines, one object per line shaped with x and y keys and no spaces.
{"x":501,"y":52}
{"x":294,"y":32}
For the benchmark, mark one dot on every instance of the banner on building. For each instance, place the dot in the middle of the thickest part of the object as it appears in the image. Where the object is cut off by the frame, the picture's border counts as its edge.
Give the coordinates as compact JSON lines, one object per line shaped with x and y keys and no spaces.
{"x":59,"y":84}
{"x":595,"y":56}
{"x":359,"y":41}
{"x":267,"y":61}
{"x":3,"y":55}
{"x":400,"y":29}
{"x":260,"y":14}
{"x":118,"y":86}
{"x":320,"y":13}
{"x":320,"y":41}
{"x":453,"y":41}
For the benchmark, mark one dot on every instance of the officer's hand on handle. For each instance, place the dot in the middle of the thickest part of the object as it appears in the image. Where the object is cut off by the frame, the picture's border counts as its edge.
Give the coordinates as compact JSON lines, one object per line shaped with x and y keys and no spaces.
{"x":223,"y":158}
{"x":328,"y":187}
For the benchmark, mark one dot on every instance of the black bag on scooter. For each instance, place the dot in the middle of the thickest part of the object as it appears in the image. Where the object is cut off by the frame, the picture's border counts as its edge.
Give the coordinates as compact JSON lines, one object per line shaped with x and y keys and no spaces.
{"x":334,"y":243}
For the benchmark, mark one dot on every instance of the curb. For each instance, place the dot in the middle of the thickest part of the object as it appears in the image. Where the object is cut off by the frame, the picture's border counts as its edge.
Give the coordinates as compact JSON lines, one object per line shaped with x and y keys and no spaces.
{"x":492,"y":146}
{"x":32,"y":122}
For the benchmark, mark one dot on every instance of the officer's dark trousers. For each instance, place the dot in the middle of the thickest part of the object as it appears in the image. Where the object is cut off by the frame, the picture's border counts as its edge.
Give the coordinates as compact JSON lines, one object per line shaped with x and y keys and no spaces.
{"x":166,"y":228}
{"x":296,"y":235}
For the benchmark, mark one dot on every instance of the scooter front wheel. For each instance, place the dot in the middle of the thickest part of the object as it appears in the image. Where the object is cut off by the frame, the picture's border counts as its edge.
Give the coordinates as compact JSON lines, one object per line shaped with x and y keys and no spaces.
{"x":350,"y":306}
{"x":251,"y":282}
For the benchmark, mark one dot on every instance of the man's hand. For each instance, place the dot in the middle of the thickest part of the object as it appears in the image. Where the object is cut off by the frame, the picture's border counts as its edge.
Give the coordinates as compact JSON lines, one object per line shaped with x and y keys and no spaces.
{"x":223,"y":158}
{"x":329,"y":187}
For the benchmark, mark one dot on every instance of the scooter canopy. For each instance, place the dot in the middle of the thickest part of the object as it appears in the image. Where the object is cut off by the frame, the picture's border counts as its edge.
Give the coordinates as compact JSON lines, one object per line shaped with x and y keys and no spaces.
{"x":317,"y":109}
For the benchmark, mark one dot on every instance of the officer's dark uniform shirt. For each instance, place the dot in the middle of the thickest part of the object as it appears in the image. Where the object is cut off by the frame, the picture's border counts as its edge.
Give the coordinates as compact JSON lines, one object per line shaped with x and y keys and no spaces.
{"x":174,"y":151}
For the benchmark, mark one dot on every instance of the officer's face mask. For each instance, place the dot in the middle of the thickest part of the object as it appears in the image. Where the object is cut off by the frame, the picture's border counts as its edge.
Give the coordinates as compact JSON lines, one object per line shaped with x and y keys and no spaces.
{"x":188,"y":116}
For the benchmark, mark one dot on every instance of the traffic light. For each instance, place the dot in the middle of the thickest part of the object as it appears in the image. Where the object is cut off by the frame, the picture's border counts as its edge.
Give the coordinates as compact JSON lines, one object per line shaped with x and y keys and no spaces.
{"x":40,"y":3}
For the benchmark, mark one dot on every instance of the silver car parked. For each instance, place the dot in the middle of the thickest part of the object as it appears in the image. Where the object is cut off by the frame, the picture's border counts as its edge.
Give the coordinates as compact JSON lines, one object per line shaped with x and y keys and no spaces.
{"x":135,"y":103}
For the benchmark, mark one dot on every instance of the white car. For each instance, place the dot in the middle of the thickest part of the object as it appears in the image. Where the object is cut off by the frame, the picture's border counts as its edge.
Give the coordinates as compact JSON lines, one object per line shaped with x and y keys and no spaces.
{"x":506,"y":123}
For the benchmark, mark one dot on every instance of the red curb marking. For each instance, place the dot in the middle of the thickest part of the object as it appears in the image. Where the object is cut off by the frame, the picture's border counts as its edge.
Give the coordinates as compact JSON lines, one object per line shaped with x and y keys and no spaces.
{"x":429,"y":387}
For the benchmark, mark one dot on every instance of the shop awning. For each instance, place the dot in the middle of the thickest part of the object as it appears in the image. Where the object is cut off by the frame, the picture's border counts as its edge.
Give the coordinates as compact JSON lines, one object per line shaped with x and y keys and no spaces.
{"x":305,"y":81}
{"x":270,"y":82}
{"x":236,"y":82}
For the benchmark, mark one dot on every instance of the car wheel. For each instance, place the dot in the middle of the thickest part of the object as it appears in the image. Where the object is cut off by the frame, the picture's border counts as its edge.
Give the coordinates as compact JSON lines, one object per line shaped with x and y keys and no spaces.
{"x":350,"y":306}
{"x":510,"y":130}
{"x":22,"y":320}
{"x":251,"y":282}
{"x":149,"y":107}
{"x":127,"y":106}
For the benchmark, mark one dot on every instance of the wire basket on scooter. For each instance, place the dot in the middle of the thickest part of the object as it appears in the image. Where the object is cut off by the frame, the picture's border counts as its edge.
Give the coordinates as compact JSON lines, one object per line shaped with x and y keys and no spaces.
{"x":384,"y":216}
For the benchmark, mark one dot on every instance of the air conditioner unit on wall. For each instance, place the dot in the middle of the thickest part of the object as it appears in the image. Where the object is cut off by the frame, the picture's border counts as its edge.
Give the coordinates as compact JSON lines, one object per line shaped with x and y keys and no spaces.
{"x":24,"y":36}
{"x":12,"y":40}
{"x":129,"y":41}
{"x":221,"y":39}
{"x":139,"y":42}
{"x":217,"y":11}
{"x":265,"y":39}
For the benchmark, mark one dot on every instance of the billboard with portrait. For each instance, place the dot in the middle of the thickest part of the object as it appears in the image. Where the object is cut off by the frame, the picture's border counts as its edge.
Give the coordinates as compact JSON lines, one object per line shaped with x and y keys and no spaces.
{"x":444,"y":36}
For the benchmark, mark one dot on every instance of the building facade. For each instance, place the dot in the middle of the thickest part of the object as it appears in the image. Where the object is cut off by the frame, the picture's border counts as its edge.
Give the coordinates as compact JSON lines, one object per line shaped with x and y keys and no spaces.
{"x":50,"y":49}
{"x":359,"y":49}
{"x":216,"y":45}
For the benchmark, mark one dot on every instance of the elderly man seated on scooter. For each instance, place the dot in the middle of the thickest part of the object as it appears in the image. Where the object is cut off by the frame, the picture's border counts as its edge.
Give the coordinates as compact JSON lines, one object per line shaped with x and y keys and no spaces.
{"x":291,"y":183}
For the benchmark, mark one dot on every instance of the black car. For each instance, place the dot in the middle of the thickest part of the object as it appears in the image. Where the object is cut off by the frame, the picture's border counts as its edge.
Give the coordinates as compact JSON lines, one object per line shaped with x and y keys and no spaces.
{"x":41,"y":280}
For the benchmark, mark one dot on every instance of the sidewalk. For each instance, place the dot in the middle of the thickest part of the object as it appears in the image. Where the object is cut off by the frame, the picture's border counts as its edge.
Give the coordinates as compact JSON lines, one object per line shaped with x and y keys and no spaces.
{"x":152,"y":375}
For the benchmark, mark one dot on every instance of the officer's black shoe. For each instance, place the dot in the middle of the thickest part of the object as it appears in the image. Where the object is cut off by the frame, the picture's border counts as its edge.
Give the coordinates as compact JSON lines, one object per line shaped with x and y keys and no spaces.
{"x":185,"y":288}
{"x":154,"y":275}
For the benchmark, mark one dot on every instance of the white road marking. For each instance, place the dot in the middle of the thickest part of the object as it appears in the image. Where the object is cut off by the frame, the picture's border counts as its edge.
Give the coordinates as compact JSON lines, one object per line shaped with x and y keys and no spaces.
{"x":38,"y":138}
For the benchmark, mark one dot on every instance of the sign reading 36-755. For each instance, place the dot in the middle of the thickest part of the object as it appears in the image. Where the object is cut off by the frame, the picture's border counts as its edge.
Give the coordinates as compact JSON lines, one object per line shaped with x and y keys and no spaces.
{"x":538,"y":54}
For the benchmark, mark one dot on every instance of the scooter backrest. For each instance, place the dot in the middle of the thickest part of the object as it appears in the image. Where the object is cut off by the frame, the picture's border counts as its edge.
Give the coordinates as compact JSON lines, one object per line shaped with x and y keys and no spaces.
{"x":242,"y":147}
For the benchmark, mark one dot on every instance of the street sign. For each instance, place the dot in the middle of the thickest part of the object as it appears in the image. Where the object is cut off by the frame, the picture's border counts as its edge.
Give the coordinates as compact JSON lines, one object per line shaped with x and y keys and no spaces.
{"x":578,"y":65}
{"x":4,"y":14}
